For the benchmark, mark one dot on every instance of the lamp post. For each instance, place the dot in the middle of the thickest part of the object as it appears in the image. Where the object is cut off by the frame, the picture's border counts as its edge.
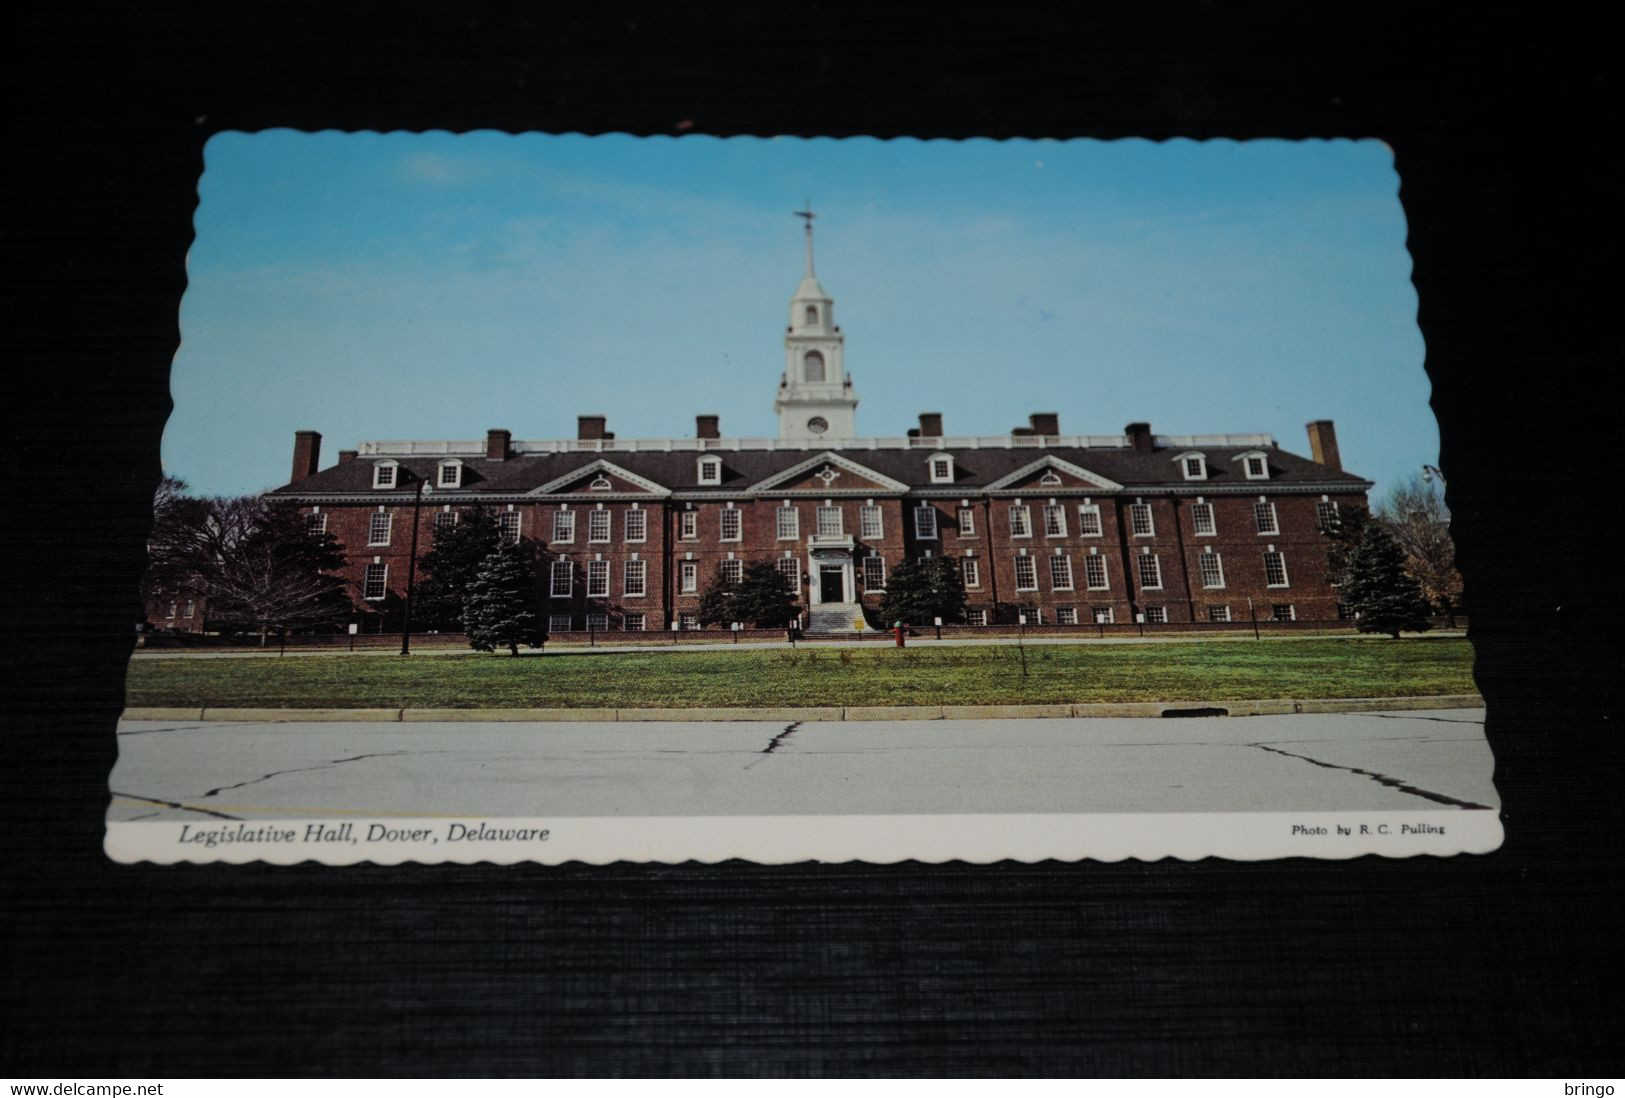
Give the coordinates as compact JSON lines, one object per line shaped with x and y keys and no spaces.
{"x":418,"y":492}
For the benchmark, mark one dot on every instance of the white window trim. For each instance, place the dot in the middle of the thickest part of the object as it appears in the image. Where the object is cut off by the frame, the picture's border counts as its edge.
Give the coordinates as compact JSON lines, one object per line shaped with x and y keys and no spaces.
{"x":825,"y":509}
{"x":569,"y":591}
{"x":1058,"y":509}
{"x":880,"y":563}
{"x":688,"y":576}
{"x":597,"y":569}
{"x":1246,"y":465}
{"x":794,"y":524}
{"x":1100,"y":527}
{"x":1156,"y":564}
{"x":366,"y":572}
{"x":1027,"y":511}
{"x":378,"y":471}
{"x":455,"y":467}
{"x":875,"y":511}
{"x":518,"y":526}
{"x":1201,"y":463}
{"x":965,"y":521}
{"x":1071,"y":579}
{"x":1150,"y":520}
{"x":608,"y":523}
{"x":389,"y":528}
{"x":1218,"y":562}
{"x":921,"y":511}
{"x":738,"y":524}
{"x":1016,"y":570}
{"x":1105,"y":575}
{"x":640,"y":569}
{"x":931,"y":468}
{"x":710,"y":470}
{"x":688,"y":526}
{"x":569,"y":518}
{"x":626,"y":526}
{"x":1212,"y":518}
{"x":973,"y":581}
{"x":1286,"y":577}
{"x":1275,"y":519}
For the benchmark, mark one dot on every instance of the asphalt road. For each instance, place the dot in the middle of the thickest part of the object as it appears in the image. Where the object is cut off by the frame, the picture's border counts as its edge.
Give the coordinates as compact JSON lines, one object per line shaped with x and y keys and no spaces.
{"x":1435,"y":759}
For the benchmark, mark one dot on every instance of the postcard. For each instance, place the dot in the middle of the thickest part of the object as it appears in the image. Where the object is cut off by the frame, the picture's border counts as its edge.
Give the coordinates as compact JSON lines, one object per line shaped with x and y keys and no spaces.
{"x":522,"y":505}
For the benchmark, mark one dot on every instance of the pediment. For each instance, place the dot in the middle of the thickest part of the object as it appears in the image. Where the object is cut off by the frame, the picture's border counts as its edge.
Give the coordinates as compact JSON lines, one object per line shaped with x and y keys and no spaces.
{"x":828,"y":473}
{"x":1055,"y":475}
{"x":601,"y":478}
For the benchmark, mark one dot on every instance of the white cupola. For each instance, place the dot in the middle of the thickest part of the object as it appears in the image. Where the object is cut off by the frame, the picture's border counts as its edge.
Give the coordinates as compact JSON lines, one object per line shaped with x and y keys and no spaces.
{"x":815,"y":397}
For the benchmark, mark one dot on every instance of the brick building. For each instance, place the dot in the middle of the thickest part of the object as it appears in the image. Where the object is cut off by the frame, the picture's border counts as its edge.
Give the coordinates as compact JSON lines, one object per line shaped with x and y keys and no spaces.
{"x":1066,"y":529}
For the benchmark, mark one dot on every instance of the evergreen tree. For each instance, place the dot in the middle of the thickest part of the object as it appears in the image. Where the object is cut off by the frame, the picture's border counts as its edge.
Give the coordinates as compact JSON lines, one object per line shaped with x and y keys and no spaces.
{"x":1378,"y":589}
{"x":451,"y":566}
{"x":501,"y":604}
{"x":920,"y":591}
{"x":718,"y":600}
{"x":764,"y":598}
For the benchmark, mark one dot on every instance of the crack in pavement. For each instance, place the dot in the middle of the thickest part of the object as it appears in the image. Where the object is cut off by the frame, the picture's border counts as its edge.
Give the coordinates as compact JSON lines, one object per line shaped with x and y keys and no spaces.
{"x":172,"y":804}
{"x":300,"y":769}
{"x":774,"y":744}
{"x":165,"y":728}
{"x":1414,"y":717}
{"x":1382,"y":779}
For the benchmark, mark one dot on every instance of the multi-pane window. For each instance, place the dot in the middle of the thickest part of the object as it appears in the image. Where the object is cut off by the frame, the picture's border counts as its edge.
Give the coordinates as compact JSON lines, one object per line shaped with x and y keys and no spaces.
{"x":874,"y":573}
{"x":1026,"y":574}
{"x":729,"y":519}
{"x":563,"y":580}
{"x":790,"y":569}
{"x":1101,"y":614}
{"x":635,"y":623}
{"x":1212,"y":570}
{"x":1156,"y":615}
{"x":635,"y":578}
{"x":967,"y":522}
{"x":1345,"y":612}
{"x":558,"y":623}
{"x":1256,"y":470}
{"x":975,"y":617}
{"x":510,"y":527}
{"x":925,"y":522}
{"x":597,"y":622}
{"x":732,"y":571}
{"x":449,"y":475}
{"x":1150,"y":571}
{"x":1326,"y":516}
{"x":971,"y":569}
{"x":814,"y":366}
{"x":829,"y":522}
{"x":688,"y":525}
{"x":1283,"y":611}
{"x":788,"y":523}
{"x":444,"y":520}
{"x":378,"y":529}
{"x":1066,"y":615}
{"x":1021,"y":521}
{"x":564,"y":525}
{"x":383,"y":476}
{"x":1060,"y":573}
{"x":1054,"y":521}
{"x":871,"y":522}
{"x":373,"y":586}
{"x":942,"y":470}
{"x":1139,"y":520}
{"x":598,"y":525}
{"x":710,"y":470}
{"x":1089,"y":520}
{"x":1195,"y":468}
{"x":687,"y":621}
{"x":1202,"y":518}
{"x":1274,"y":569}
{"x":688,"y":576}
{"x":637,"y":525}
{"x":316,"y":525}
{"x":1264,"y":517}
{"x":1218,"y":613}
{"x":1094,"y":573}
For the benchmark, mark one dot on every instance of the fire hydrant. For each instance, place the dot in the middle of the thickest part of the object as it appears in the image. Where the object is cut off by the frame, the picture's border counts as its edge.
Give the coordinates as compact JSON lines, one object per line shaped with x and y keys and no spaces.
{"x":899,"y":629}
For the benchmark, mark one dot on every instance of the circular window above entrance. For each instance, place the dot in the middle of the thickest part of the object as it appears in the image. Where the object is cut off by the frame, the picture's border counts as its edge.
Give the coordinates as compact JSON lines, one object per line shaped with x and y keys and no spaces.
{"x":818,"y":425}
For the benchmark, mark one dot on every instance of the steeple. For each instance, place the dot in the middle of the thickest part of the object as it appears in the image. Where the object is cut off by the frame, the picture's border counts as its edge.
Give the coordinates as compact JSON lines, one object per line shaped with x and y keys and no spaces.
{"x":815,"y":398}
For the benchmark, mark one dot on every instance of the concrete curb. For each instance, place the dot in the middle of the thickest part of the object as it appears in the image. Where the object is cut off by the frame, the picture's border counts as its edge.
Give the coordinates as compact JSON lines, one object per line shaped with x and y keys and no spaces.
{"x":1256,"y":708}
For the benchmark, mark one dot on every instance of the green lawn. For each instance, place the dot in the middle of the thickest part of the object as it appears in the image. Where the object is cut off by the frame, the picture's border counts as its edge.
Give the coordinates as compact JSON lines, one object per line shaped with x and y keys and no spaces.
{"x":991,"y":674}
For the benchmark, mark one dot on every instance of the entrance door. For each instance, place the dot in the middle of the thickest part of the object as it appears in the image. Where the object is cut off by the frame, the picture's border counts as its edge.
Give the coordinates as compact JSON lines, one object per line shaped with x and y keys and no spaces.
{"x":831,"y":583}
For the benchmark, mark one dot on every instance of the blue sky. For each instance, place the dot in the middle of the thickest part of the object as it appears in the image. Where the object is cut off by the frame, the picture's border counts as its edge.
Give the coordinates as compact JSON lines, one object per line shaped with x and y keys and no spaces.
{"x":435,"y":285}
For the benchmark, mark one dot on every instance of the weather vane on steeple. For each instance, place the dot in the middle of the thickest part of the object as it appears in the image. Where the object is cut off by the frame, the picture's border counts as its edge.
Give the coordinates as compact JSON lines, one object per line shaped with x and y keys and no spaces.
{"x":807,"y":215}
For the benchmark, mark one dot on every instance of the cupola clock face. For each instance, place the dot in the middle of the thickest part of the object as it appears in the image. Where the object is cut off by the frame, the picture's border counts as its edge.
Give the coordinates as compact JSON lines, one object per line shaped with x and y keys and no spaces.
{"x":818,"y":425}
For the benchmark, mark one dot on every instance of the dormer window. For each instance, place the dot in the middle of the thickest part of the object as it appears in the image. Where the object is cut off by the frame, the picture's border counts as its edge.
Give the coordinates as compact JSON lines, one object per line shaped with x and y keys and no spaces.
{"x":451,"y":474}
{"x":941,"y":468}
{"x":1255,"y":466}
{"x":1193,"y":466}
{"x":812,"y":314}
{"x":710,"y":470}
{"x":385,"y":474}
{"x":812,"y":367}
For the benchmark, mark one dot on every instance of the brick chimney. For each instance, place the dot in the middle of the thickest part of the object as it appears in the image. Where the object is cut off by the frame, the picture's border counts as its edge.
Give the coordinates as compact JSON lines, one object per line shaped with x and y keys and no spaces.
{"x":497,"y":444}
{"x":1045,"y":423}
{"x":707,"y":427}
{"x":347,"y":456}
{"x":1323,"y":445}
{"x":930,"y":425}
{"x":591,"y":427}
{"x":1139,"y":437}
{"x":307,"y":453}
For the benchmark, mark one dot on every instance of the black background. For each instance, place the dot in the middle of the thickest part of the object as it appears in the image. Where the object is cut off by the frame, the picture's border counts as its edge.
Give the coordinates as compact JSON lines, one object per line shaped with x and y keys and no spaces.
{"x":1490,"y":964}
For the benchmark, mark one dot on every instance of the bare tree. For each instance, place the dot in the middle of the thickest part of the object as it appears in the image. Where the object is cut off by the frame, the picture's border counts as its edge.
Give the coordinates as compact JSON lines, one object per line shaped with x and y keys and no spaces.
{"x":1416,"y":516}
